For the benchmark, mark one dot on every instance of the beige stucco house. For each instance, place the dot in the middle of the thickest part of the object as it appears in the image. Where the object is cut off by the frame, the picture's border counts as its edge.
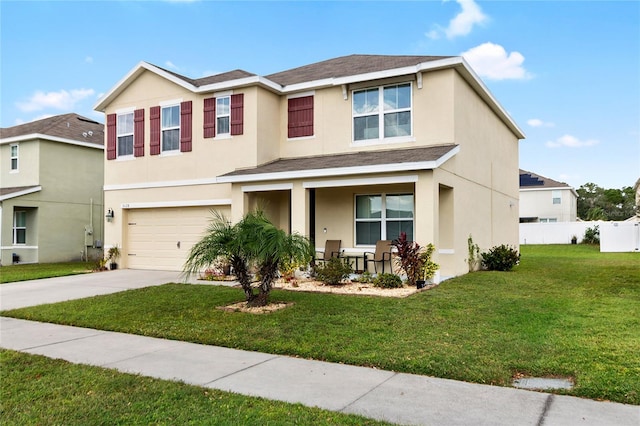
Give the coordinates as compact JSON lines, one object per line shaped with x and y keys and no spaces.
{"x":545,"y":200}
{"x":51,"y":178}
{"x":355,"y":148}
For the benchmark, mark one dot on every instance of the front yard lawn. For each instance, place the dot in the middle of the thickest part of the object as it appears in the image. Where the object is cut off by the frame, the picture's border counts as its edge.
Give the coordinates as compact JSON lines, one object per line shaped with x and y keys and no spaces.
{"x":565,"y":311}
{"x":35,"y":271}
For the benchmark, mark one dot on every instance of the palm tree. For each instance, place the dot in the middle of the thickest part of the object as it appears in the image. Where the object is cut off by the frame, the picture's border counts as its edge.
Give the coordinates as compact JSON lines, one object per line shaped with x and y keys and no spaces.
{"x":222,"y":240}
{"x":253,"y":239}
{"x":270,"y":247}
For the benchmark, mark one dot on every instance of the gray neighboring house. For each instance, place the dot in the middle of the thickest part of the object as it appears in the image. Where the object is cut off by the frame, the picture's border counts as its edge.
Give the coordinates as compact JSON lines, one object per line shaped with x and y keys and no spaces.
{"x":546,"y":200}
{"x":51,"y":181}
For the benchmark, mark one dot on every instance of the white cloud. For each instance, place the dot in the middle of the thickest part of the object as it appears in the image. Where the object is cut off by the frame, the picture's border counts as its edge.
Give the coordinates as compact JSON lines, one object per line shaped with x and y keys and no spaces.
{"x":462,"y":23}
{"x":88,"y":59}
{"x":571,"y":142}
{"x":536,"y":122}
{"x":61,"y":100}
{"x":493,"y":62}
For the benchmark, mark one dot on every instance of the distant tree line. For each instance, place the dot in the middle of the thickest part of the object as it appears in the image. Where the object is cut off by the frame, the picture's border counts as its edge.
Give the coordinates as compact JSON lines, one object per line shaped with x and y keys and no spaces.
{"x":597,"y":203}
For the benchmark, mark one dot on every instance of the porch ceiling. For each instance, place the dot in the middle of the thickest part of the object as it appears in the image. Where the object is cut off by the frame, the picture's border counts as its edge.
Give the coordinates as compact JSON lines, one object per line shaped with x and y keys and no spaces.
{"x":423,"y":158}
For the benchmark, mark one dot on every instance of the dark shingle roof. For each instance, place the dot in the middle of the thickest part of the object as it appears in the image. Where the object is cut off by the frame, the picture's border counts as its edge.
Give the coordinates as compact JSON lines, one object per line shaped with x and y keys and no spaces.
{"x":346,"y":66}
{"x":530,"y":180}
{"x":68,"y":126}
{"x":217,"y":78}
{"x":356,"y":159}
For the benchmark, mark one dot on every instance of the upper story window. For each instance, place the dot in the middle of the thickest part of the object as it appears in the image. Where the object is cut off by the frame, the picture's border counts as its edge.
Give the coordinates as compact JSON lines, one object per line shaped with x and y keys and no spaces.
{"x":223,"y":115}
{"x":14,"y":158}
{"x":125,"y":134}
{"x":382,"y":112}
{"x":556,"y":197}
{"x":170,"y":130}
{"x":383,"y":217}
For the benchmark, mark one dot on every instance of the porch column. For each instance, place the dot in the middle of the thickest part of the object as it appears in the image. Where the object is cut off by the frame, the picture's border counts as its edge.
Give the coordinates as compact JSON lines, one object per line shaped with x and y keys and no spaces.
{"x":299,"y":209}
{"x":239,"y":201}
{"x":426,"y":200}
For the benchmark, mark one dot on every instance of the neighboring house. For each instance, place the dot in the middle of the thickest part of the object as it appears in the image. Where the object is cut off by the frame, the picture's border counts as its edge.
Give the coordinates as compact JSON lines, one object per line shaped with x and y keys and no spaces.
{"x":356,"y":148}
{"x":545,"y":200}
{"x":51,"y":178}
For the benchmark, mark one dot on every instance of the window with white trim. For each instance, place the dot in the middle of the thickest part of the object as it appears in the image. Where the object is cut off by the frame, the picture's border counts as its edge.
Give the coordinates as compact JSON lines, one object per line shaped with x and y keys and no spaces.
{"x":382,"y":112}
{"x":19,"y":227}
{"x":223,"y":115}
{"x":124,"y":133}
{"x":556,"y":197}
{"x":548,"y":219}
{"x":14,"y":158}
{"x":383,"y":217}
{"x":170,"y":128}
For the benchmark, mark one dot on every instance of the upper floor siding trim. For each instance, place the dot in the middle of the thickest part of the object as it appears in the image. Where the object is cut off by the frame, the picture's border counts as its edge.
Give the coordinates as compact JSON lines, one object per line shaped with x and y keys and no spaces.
{"x":457,"y":63}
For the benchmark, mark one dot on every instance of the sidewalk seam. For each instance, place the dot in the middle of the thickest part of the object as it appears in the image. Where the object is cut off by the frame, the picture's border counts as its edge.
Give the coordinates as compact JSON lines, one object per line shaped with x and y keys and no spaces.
{"x":99,"y":332}
{"x":545,"y":410}
{"x":367,"y":392}
{"x":241,"y":370}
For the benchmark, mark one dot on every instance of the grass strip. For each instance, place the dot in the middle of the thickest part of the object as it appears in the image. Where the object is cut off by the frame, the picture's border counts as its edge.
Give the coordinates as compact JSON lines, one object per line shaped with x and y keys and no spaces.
{"x":39,"y":390}
{"x":36,"y":271}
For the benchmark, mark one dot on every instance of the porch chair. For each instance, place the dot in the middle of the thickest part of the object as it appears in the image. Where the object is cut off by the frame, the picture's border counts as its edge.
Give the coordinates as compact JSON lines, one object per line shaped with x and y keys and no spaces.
{"x":331,"y":249}
{"x":381,"y":255}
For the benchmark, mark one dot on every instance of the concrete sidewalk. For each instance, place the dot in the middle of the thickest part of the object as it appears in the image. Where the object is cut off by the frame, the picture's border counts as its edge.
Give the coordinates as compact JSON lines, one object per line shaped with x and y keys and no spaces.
{"x":395,"y":397}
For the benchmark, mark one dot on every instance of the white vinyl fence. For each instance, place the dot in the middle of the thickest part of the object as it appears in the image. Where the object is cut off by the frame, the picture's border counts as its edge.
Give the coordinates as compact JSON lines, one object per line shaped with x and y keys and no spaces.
{"x":614,"y":236}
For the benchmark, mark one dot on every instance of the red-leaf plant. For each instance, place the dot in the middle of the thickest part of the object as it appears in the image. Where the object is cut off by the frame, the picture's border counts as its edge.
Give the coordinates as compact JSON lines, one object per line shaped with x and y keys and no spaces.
{"x":410,"y":257}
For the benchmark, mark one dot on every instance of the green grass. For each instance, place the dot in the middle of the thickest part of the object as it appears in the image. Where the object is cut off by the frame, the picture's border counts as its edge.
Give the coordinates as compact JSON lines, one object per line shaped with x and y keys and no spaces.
{"x":566,"y":311}
{"x":38,"y":390}
{"x":35,"y":271}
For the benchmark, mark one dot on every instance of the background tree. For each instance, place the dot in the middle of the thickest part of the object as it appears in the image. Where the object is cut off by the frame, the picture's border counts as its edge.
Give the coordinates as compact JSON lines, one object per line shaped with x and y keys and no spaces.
{"x":596,"y":203}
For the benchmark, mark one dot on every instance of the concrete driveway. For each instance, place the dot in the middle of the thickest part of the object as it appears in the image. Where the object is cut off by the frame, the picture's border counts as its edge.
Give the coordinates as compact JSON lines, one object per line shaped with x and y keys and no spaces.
{"x":52,"y":290}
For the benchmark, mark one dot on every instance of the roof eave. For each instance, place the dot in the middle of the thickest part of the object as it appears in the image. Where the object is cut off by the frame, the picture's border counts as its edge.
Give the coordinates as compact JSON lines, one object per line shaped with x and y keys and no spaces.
{"x":20,"y":193}
{"x":33,"y":136}
{"x":341,"y":171}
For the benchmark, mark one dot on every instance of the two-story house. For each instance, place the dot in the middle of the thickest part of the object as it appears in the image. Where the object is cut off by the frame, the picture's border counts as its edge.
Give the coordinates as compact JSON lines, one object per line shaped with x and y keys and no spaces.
{"x":356,"y":148}
{"x":546,"y":200}
{"x":51,"y":178}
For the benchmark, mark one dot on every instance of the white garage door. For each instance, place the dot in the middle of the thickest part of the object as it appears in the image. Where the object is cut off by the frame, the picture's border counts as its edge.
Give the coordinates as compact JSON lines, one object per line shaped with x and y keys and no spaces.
{"x":160,"y":238}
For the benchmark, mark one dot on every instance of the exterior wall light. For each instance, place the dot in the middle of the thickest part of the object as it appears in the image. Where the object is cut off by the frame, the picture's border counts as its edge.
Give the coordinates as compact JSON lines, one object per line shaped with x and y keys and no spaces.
{"x":109,"y":215}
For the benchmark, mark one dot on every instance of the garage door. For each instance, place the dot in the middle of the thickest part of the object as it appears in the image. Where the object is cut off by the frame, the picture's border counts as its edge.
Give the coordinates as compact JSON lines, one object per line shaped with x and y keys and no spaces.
{"x":160,"y":238}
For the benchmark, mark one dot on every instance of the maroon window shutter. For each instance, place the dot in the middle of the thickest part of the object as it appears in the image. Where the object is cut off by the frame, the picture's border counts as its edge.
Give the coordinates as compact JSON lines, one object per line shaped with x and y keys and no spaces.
{"x":154,"y":121}
{"x":111,"y":137}
{"x":237,"y":112}
{"x":209,"y":117}
{"x":300,"y":117}
{"x":185,"y":126}
{"x":138,"y":133}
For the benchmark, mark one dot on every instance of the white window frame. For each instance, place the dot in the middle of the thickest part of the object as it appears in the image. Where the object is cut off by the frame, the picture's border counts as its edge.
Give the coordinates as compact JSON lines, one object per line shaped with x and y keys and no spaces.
{"x":163,"y":129}
{"x":219,"y":115}
{"x":14,"y":158}
{"x":381,"y":112}
{"x":120,"y":134}
{"x":383,"y":219}
{"x":16,"y":227}
{"x":556,"y":197}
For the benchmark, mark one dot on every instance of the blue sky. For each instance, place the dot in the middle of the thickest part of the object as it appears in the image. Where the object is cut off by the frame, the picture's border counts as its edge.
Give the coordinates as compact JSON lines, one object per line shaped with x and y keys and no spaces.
{"x":567,"y":72}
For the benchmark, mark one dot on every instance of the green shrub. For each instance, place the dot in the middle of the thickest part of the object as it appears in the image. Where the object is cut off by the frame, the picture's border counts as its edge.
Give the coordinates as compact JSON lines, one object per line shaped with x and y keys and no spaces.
{"x":500,"y":258}
{"x":334,"y":271}
{"x":387,"y":281}
{"x":592,"y":235}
